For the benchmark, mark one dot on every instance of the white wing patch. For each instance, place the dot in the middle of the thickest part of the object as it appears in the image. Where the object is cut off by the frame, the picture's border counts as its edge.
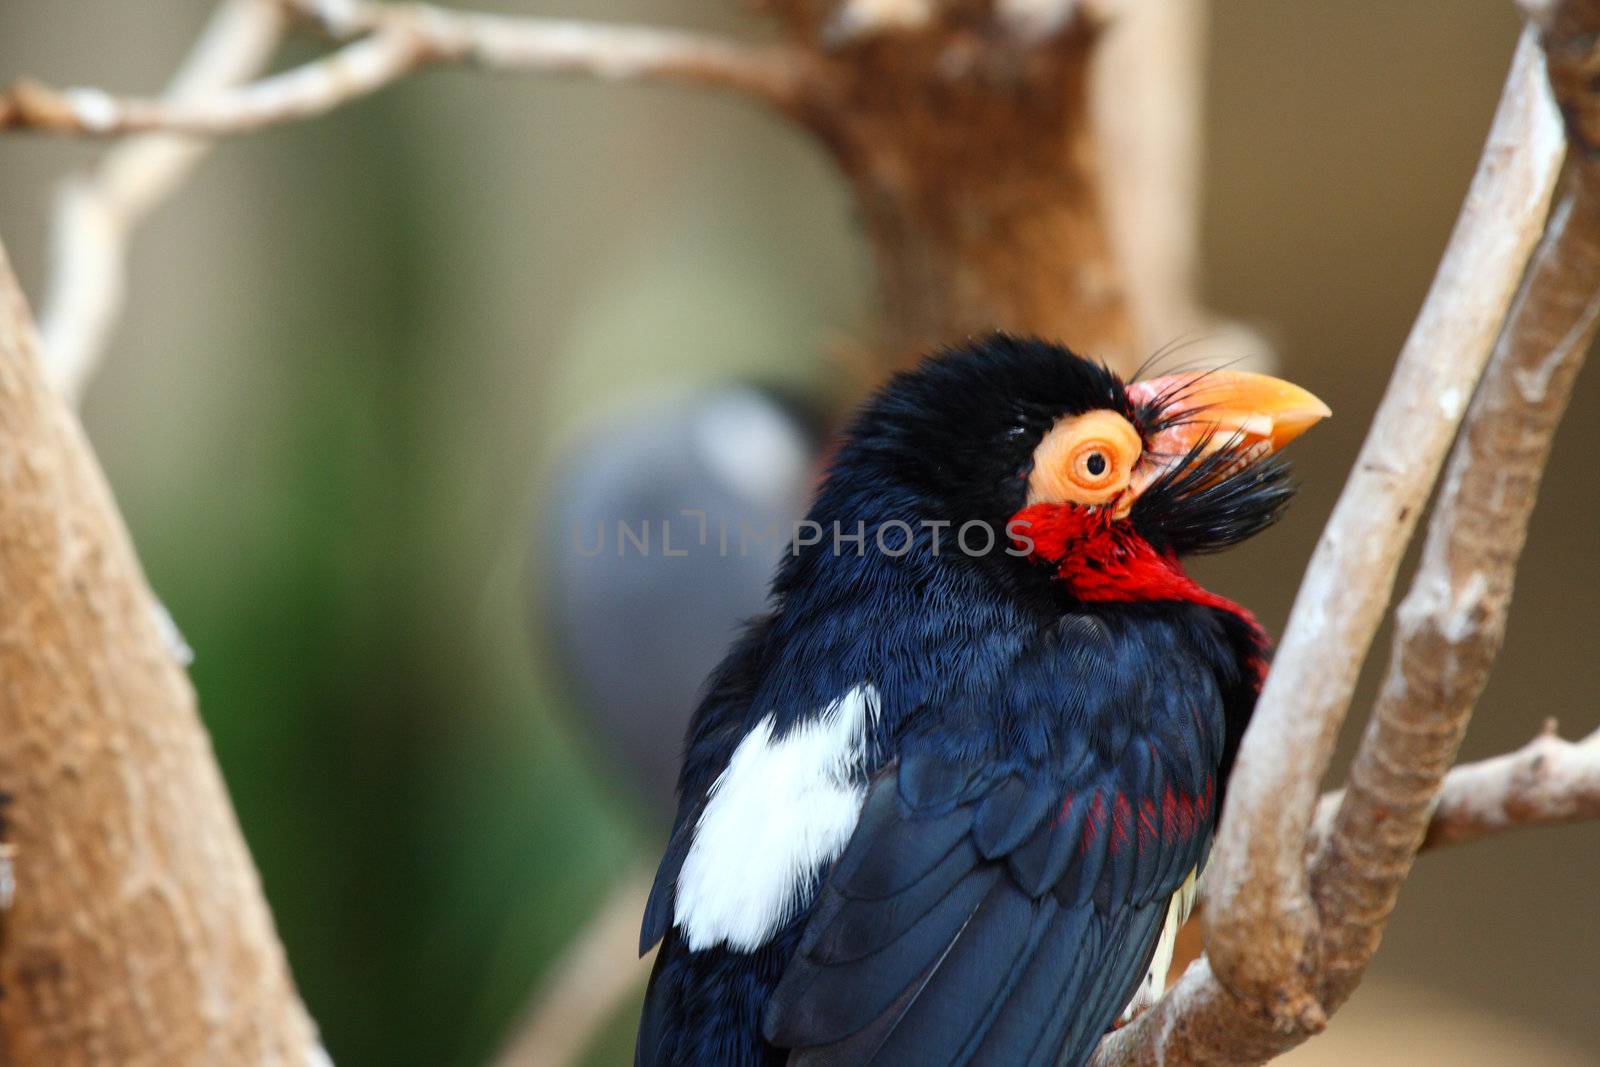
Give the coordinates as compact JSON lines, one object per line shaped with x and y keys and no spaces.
{"x":780,"y":810}
{"x":1155,"y":979}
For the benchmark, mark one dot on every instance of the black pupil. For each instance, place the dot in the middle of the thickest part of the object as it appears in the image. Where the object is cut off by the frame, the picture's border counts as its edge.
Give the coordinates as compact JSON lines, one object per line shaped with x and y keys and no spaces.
{"x":1096,"y":464}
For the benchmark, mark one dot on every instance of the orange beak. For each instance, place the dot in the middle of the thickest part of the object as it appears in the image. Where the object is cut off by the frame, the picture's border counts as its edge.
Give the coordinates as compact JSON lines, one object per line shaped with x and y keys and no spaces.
{"x":1254,"y":413}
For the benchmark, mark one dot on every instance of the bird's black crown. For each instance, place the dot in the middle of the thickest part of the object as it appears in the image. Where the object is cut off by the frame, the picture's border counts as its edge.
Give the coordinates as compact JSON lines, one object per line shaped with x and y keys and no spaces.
{"x":954,"y":438}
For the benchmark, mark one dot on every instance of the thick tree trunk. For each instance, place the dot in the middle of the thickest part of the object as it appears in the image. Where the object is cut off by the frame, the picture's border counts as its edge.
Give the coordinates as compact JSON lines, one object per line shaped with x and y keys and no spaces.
{"x":979,"y":188}
{"x":983,"y":164}
{"x":138,"y":932}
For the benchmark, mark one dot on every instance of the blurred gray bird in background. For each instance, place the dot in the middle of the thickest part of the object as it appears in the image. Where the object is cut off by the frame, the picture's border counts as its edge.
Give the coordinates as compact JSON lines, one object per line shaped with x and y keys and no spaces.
{"x":662,"y":531}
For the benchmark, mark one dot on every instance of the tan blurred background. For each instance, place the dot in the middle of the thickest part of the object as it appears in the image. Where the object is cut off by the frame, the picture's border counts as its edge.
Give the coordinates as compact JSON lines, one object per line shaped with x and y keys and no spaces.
{"x":355,"y":344}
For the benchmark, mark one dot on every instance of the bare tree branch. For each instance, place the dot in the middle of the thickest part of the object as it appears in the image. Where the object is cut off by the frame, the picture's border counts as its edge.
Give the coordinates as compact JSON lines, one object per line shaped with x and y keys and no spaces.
{"x":1452,"y":623}
{"x":405,"y":38}
{"x":1285,"y":959}
{"x":96,"y":212}
{"x":510,"y":44}
{"x":1545,"y":782}
{"x":1262,"y":924}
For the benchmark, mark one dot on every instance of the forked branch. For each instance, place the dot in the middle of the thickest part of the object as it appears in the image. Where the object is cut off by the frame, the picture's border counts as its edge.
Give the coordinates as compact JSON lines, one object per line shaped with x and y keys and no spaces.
{"x":97,"y":211}
{"x":1287,"y":945}
{"x":1452,"y":623}
{"x":1262,"y":922}
{"x":216,"y":93}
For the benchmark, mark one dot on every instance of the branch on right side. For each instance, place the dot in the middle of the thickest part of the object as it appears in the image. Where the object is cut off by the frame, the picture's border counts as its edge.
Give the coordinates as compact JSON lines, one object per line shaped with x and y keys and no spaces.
{"x":1546,"y":782}
{"x":1452,"y":623}
{"x":1262,"y":926}
{"x":1288,"y":945}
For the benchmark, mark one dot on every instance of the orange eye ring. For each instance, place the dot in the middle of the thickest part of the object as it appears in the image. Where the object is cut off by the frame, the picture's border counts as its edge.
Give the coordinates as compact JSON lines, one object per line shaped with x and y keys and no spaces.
{"x":1085,"y":459}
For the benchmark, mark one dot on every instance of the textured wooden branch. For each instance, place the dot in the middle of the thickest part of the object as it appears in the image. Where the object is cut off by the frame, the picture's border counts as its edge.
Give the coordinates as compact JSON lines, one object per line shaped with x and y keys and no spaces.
{"x":1452,"y":623}
{"x":401,"y":39}
{"x":1287,"y":948}
{"x":1546,"y":782}
{"x":97,"y":211}
{"x":1262,"y":925}
{"x":138,"y":931}
{"x":1028,"y":165}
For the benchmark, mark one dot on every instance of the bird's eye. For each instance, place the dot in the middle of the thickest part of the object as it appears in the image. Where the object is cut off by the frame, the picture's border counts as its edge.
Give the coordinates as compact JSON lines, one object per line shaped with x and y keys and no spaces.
{"x":1085,"y":459}
{"x":1092,"y":466}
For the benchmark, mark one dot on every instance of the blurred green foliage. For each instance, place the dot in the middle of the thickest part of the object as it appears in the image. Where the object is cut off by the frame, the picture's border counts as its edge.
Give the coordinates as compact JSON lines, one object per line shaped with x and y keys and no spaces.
{"x":422,"y":824}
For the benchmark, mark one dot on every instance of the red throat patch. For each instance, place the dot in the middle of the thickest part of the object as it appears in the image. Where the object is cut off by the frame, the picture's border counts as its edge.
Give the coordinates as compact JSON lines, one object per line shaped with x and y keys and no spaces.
{"x":1099,"y":558}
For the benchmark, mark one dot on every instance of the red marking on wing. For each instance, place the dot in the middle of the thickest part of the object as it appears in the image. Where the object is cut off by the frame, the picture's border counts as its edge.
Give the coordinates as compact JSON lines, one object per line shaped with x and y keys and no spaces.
{"x":1121,"y":815}
{"x":1147,"y":823}
{"x":1186,"y":819}
{"x":1181,"y":816}
{"x":1065,"y":810}
{"x":1091,"y":824}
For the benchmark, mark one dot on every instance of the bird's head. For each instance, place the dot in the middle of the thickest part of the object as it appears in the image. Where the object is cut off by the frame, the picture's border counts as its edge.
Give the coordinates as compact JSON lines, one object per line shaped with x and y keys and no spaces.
{"x":1060,"y":456}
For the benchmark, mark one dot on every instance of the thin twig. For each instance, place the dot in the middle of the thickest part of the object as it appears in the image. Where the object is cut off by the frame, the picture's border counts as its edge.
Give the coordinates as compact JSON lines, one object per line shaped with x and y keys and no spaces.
{"x":1546,"y":782}
{"x":511,"y":44}
{"x":403,"y":39}
{"x":96,"y":212}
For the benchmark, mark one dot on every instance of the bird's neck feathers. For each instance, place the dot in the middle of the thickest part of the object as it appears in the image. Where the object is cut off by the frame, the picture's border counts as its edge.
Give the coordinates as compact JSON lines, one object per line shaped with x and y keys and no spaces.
{"x":1100,"y":559}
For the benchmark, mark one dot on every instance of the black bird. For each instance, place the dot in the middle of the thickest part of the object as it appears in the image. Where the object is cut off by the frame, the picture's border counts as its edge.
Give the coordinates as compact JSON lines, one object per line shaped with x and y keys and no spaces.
{"x":947,"y":801}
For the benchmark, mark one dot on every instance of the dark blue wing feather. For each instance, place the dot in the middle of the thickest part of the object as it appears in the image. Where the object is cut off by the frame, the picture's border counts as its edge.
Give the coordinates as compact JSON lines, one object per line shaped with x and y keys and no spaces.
{"x":1003,"y":912}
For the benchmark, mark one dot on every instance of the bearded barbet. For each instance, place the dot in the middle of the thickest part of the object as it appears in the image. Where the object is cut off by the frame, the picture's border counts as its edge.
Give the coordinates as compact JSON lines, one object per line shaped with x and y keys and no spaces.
{"x":948,"y":800}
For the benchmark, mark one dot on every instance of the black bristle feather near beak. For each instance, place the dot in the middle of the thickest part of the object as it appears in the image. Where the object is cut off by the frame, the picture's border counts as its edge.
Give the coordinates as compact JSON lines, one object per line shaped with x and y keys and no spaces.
{"x":1213,"y":499}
